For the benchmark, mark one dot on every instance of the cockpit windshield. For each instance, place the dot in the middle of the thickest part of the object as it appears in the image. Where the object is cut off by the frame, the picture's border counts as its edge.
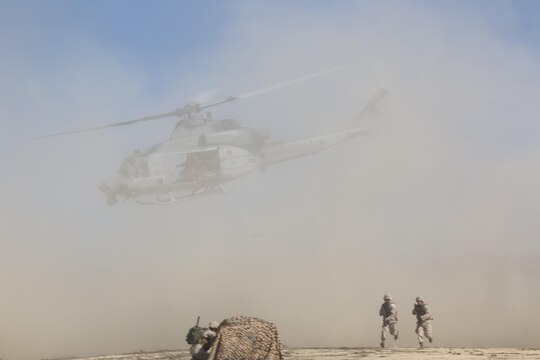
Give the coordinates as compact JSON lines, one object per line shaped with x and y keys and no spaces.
{"x":134,"y":166}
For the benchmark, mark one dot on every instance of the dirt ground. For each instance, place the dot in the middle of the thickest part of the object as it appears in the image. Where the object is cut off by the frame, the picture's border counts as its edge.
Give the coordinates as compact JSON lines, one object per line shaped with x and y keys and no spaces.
{"x":357,"y":353}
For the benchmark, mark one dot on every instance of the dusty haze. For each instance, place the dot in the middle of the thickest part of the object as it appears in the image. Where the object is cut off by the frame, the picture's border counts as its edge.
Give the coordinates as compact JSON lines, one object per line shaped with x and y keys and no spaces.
{"x":442,"y":201}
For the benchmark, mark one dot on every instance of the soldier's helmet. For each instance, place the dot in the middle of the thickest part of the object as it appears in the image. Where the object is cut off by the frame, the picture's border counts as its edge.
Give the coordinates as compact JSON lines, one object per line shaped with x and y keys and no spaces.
{"x":419,"y":298}
{"x":213,"y":325}
{"x":387,"y":297}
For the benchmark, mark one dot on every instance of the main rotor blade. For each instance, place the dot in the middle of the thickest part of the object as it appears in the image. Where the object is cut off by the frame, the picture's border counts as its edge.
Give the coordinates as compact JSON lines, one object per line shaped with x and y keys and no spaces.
{"x":195,"y":107}
{"x":271,"y":88}
{"x":286,"y":83}
{"x":146,"y":118}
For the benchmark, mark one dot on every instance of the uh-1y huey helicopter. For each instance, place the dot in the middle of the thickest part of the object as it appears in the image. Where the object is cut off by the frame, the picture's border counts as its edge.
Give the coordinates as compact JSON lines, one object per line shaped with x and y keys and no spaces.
{"x":202,"y":153}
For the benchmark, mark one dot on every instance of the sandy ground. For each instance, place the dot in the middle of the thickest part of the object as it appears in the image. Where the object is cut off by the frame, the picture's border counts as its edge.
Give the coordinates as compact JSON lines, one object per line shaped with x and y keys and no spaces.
{"x":357,"y":353}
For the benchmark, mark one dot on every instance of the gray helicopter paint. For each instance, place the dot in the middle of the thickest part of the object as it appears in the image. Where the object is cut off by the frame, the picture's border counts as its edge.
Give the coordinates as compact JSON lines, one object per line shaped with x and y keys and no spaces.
{"x":165,"y":169}
{"x":274,"y":153}
{"x":202,"y":153}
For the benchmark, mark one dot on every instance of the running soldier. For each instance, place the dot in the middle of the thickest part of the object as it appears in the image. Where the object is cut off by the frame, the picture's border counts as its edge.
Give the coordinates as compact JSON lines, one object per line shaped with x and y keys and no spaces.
{"x":423,"y":321}
{"x":388,"y":312}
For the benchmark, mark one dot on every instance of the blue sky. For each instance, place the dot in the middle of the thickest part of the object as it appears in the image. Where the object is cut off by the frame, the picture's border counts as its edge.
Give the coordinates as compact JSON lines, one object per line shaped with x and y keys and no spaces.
{"x":181,"y":38}
{"x":48,"y":35}
{"x":173,"y":40}
{"x":149,"y":35}
{"x":129,"y":25}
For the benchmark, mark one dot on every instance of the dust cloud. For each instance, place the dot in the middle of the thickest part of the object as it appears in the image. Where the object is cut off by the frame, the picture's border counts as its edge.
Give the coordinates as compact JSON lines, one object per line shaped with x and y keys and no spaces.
{"x":441,"y":201}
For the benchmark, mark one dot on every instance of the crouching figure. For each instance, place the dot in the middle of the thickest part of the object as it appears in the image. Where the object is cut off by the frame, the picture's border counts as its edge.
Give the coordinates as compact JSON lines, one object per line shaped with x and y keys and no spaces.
{"x":201,"y":340}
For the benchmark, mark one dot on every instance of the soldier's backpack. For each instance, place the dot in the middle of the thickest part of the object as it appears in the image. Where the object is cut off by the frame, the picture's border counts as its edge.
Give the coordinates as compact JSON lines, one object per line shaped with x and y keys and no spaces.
{"x":195,"y":335}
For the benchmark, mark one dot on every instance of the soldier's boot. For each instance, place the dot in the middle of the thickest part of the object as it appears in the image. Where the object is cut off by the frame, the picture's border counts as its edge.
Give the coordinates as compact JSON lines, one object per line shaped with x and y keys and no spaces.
{"x":430,"y":340}
{"x":421,"y":346}
{"x":396,"y":335}
{"x":382,"y":344}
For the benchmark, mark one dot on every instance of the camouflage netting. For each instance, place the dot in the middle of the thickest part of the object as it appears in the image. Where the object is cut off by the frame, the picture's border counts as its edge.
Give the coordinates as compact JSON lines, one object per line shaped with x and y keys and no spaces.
{"x":246,"y":338}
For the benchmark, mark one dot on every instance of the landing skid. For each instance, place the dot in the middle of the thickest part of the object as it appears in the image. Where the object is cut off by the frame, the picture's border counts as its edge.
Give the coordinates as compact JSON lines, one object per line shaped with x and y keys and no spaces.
{"x":173,"y":199}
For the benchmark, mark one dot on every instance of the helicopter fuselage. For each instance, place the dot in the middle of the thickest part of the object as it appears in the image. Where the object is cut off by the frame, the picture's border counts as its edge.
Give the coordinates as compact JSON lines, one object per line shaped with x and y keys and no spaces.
{"x":171,"y":170}
{"x":202,"y":153}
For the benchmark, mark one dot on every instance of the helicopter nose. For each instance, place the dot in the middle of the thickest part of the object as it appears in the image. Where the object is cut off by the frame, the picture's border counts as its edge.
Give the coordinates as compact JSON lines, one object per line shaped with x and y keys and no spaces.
{"x":113,"y":187}
{"x":113,"y":183}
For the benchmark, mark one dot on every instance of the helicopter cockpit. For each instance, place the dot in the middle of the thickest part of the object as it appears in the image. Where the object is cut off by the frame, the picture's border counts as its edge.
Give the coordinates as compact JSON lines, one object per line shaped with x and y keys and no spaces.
{"x":134,"y":166}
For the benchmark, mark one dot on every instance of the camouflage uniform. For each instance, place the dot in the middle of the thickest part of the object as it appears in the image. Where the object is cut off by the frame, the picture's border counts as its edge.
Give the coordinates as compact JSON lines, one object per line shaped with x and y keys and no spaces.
{"x":201,"y":350}
{"x":389,"y":313}
{"x":423,"y":321}
{"x":198,"y":353}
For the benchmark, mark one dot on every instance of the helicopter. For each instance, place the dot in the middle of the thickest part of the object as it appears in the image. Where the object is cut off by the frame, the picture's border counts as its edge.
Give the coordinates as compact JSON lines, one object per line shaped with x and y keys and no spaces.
{"x":203,"y":153}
